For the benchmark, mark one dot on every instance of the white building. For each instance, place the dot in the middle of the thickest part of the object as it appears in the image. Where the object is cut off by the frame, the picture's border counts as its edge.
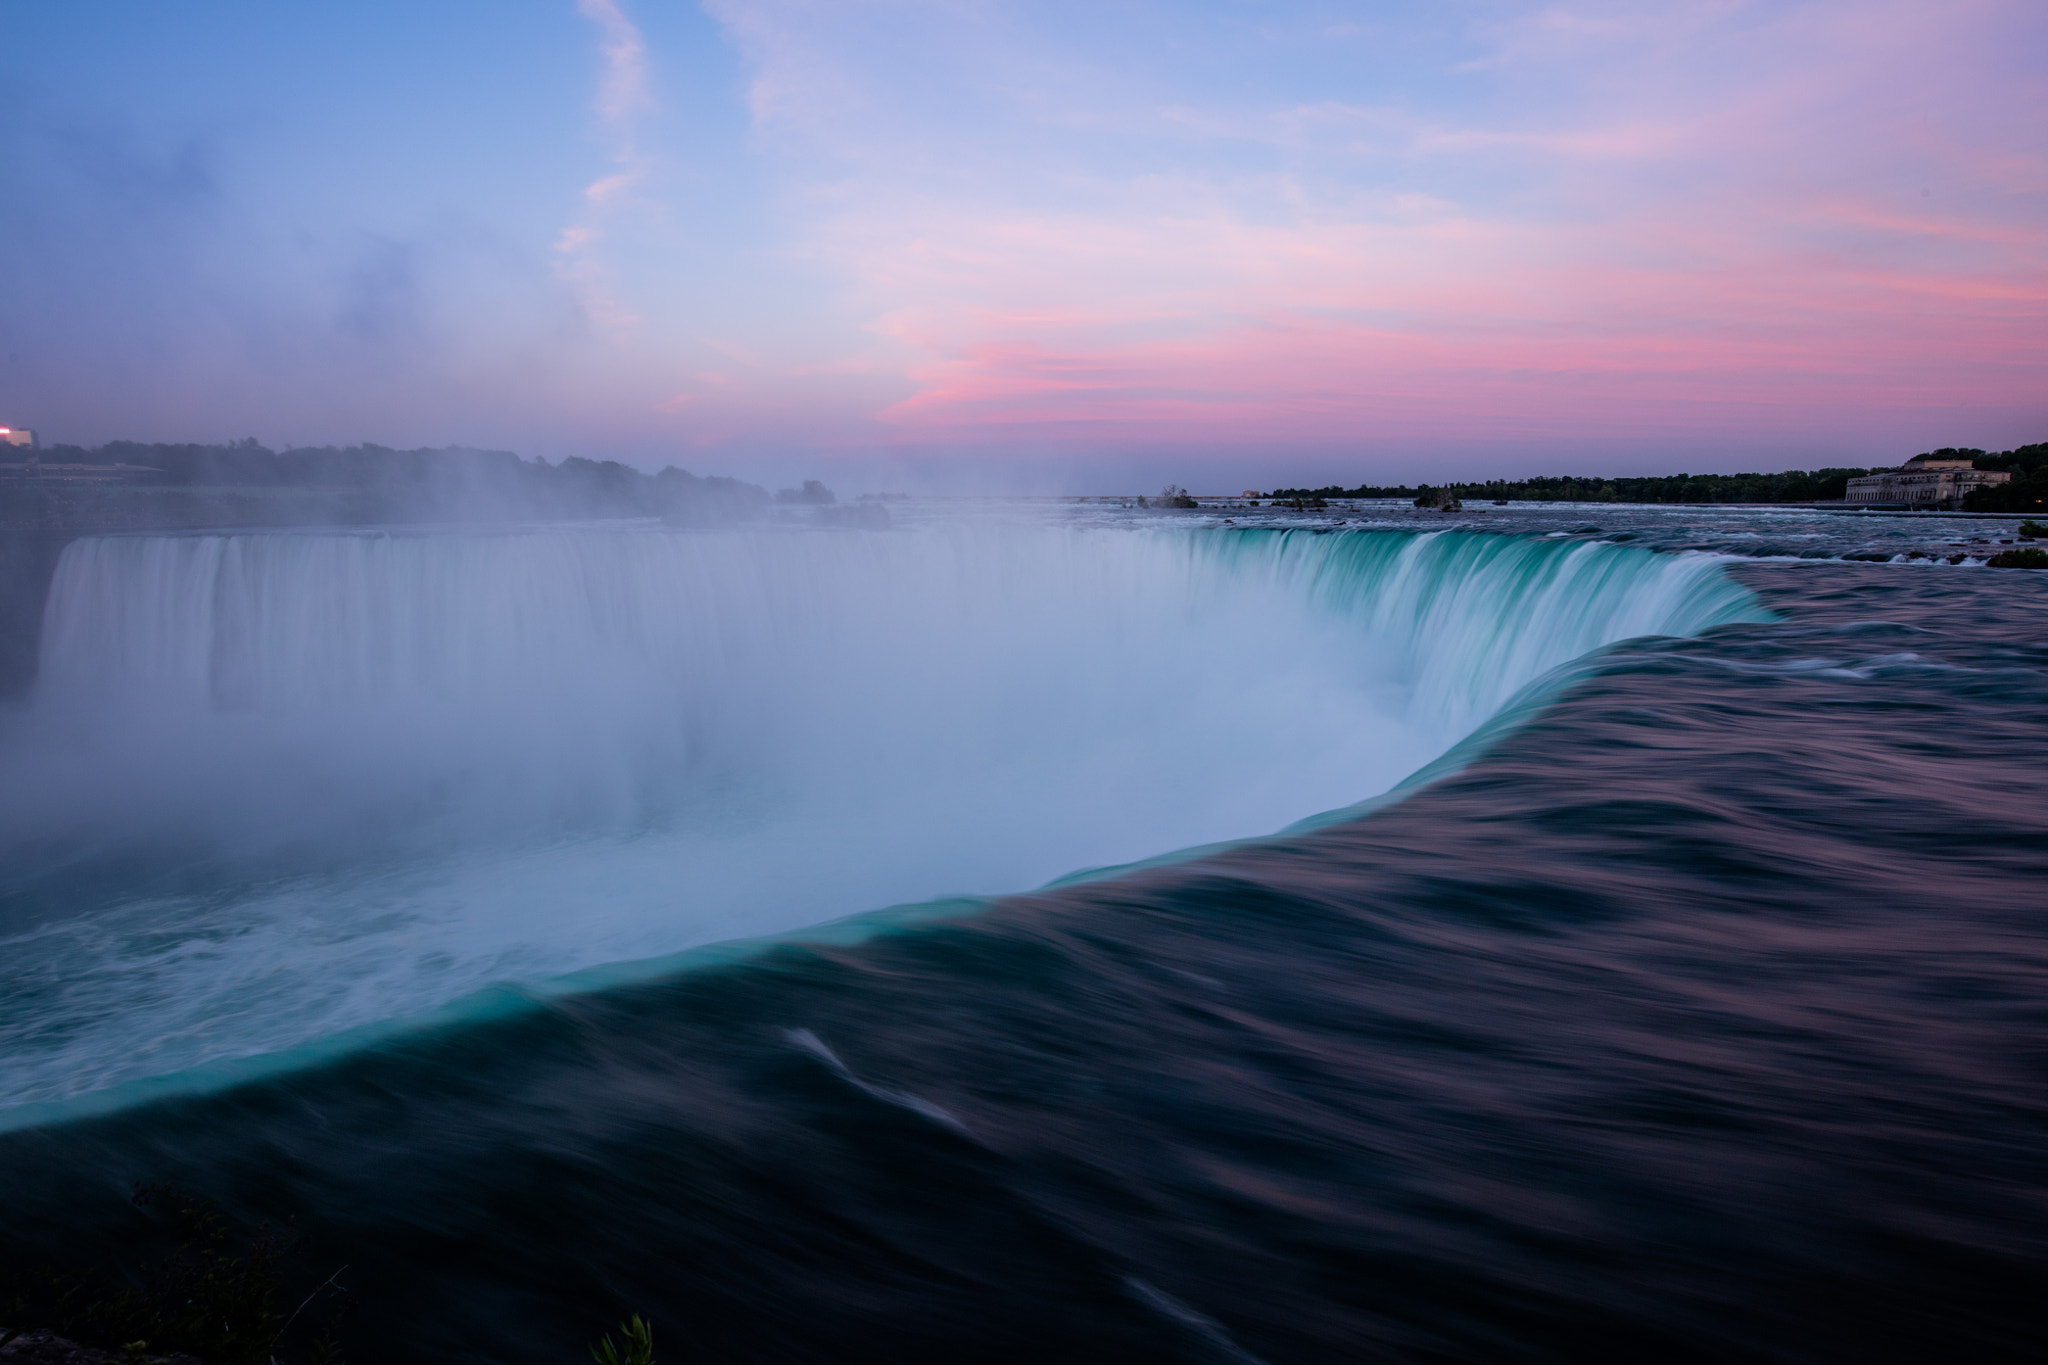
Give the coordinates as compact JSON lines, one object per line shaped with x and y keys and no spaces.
{"x":17,"y":436}
{"x":1924,"y":481}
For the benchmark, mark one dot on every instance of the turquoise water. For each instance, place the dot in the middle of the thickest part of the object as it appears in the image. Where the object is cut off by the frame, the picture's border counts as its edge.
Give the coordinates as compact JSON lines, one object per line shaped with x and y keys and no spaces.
{"x":1687,"y":1005}
{"x":275,"y":788}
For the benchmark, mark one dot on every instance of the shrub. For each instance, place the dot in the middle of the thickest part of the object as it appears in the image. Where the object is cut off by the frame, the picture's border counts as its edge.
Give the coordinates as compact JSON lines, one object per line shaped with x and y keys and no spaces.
{"x":639,"y":1350}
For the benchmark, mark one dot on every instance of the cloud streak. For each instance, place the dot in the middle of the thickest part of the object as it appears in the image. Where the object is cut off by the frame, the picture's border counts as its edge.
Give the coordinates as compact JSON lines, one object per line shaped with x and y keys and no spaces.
{"x":1054,"y":231}
{"x":622,"y":98}
{"x":1702,"y":221}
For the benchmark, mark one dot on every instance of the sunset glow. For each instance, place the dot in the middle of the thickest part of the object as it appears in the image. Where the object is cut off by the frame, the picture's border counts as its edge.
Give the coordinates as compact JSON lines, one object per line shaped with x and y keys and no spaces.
{"x":910,"y":235}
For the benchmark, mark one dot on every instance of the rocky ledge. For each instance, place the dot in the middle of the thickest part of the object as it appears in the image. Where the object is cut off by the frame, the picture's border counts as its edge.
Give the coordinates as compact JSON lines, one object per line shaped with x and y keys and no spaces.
{"x":47,"y":1348}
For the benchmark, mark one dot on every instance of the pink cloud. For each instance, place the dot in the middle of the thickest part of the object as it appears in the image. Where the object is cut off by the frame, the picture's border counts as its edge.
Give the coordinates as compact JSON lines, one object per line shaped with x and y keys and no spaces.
{"x":1703,"y":219}
{"x":1309,"y":335}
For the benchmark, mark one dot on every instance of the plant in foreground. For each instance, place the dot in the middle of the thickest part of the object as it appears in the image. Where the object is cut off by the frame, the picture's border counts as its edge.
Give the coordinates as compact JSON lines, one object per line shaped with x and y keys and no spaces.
{"x":639,"y":1349}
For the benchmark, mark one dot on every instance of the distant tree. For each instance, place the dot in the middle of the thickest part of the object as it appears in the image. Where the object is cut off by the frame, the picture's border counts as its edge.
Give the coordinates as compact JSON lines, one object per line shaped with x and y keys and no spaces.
{"x":2027,"y":491}
{"x":1790,"y":487}
{"x":812,"y":494}
{"x":372,"y":483}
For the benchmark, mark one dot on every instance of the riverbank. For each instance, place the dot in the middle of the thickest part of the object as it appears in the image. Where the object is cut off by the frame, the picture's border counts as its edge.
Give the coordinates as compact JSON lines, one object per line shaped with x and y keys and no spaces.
{"x":47,"y":1348}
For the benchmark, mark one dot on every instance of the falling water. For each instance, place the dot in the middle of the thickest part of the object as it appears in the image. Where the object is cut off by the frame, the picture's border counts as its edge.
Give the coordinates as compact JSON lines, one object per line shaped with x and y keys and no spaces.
{"x":275,"y":786}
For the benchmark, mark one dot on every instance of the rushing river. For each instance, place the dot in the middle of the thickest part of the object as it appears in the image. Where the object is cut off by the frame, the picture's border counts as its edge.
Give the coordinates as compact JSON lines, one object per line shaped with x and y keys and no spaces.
{"x":1550,"y":934}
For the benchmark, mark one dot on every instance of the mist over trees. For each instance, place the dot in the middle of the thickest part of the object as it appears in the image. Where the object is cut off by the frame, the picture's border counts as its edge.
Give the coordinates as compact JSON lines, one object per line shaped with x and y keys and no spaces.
{"x":812,"y":494}
{"x":245,"y":483}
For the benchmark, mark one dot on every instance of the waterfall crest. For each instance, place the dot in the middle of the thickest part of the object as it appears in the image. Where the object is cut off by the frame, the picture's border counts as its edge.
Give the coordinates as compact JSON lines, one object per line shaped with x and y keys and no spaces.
{"x":271,"y":786}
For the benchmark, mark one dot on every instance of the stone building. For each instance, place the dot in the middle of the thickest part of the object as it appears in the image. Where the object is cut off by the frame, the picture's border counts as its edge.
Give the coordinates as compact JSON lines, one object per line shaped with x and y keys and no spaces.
{"x":1924,"y":481}
{"x":17,"y":436}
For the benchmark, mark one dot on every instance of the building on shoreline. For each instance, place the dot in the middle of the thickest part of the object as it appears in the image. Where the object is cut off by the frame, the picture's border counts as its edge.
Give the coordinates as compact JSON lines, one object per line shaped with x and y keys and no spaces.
{"x":17,"y":436}
{"x":1924,"y":481}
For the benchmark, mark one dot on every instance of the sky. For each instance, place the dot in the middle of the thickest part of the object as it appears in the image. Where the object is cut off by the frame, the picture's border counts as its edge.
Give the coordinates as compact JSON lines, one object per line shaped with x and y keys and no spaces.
{"x":1036,"y":246}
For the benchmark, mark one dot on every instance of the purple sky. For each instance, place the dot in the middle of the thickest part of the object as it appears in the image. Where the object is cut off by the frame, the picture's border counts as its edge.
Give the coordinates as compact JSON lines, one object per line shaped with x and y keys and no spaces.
{"x":1049,"y":246}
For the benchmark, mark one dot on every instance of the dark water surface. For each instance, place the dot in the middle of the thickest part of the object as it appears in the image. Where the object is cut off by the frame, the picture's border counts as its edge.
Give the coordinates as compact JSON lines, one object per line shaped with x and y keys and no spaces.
{"x":1704,"y":1017}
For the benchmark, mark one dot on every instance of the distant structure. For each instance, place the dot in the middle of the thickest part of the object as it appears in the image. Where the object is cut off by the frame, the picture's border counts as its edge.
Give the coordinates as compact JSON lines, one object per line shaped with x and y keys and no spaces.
{"x":1924,"y":481}
{"x":79,"y":473}
{"x":31,"y":467}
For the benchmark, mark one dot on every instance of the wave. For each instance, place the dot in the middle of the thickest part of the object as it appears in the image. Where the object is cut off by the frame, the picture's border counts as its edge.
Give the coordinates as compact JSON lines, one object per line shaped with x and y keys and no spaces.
{"x":274,"y":787}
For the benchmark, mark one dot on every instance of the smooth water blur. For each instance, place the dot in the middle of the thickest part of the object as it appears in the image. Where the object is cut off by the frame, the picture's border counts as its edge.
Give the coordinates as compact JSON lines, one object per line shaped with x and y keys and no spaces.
{"x":1698,"y":1018}
{"x":275,"y":786}
{"x":1749,"y":532}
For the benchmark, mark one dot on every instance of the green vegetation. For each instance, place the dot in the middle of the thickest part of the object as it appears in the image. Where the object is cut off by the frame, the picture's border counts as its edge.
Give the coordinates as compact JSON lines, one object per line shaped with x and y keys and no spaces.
{"x":2033,"y":530}
{"x":1798,"y":485}
{"x":219,"y":1296}
{"x":2027,"y":558}
{"x":639,"y":1348}
{"x":2027,"y":491}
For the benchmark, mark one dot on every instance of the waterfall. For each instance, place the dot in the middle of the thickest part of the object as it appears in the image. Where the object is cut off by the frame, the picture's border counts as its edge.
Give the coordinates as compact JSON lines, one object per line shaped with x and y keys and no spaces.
{"x":274,"y":785}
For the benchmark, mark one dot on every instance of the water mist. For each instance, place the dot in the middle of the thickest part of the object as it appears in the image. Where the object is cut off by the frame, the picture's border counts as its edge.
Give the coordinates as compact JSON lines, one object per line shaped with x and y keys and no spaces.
{"x":275,"y":786}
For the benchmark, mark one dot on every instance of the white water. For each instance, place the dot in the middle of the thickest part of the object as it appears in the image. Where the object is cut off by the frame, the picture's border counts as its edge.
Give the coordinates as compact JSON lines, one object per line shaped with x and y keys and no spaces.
{"x":275,"y":786}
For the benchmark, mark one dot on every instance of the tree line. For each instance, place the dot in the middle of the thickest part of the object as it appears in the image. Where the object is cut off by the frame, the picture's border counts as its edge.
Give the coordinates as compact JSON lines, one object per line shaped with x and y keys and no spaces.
{"x":454,"y":483}
{"x":2027,"y":491}
{"x":1792,"y":486}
